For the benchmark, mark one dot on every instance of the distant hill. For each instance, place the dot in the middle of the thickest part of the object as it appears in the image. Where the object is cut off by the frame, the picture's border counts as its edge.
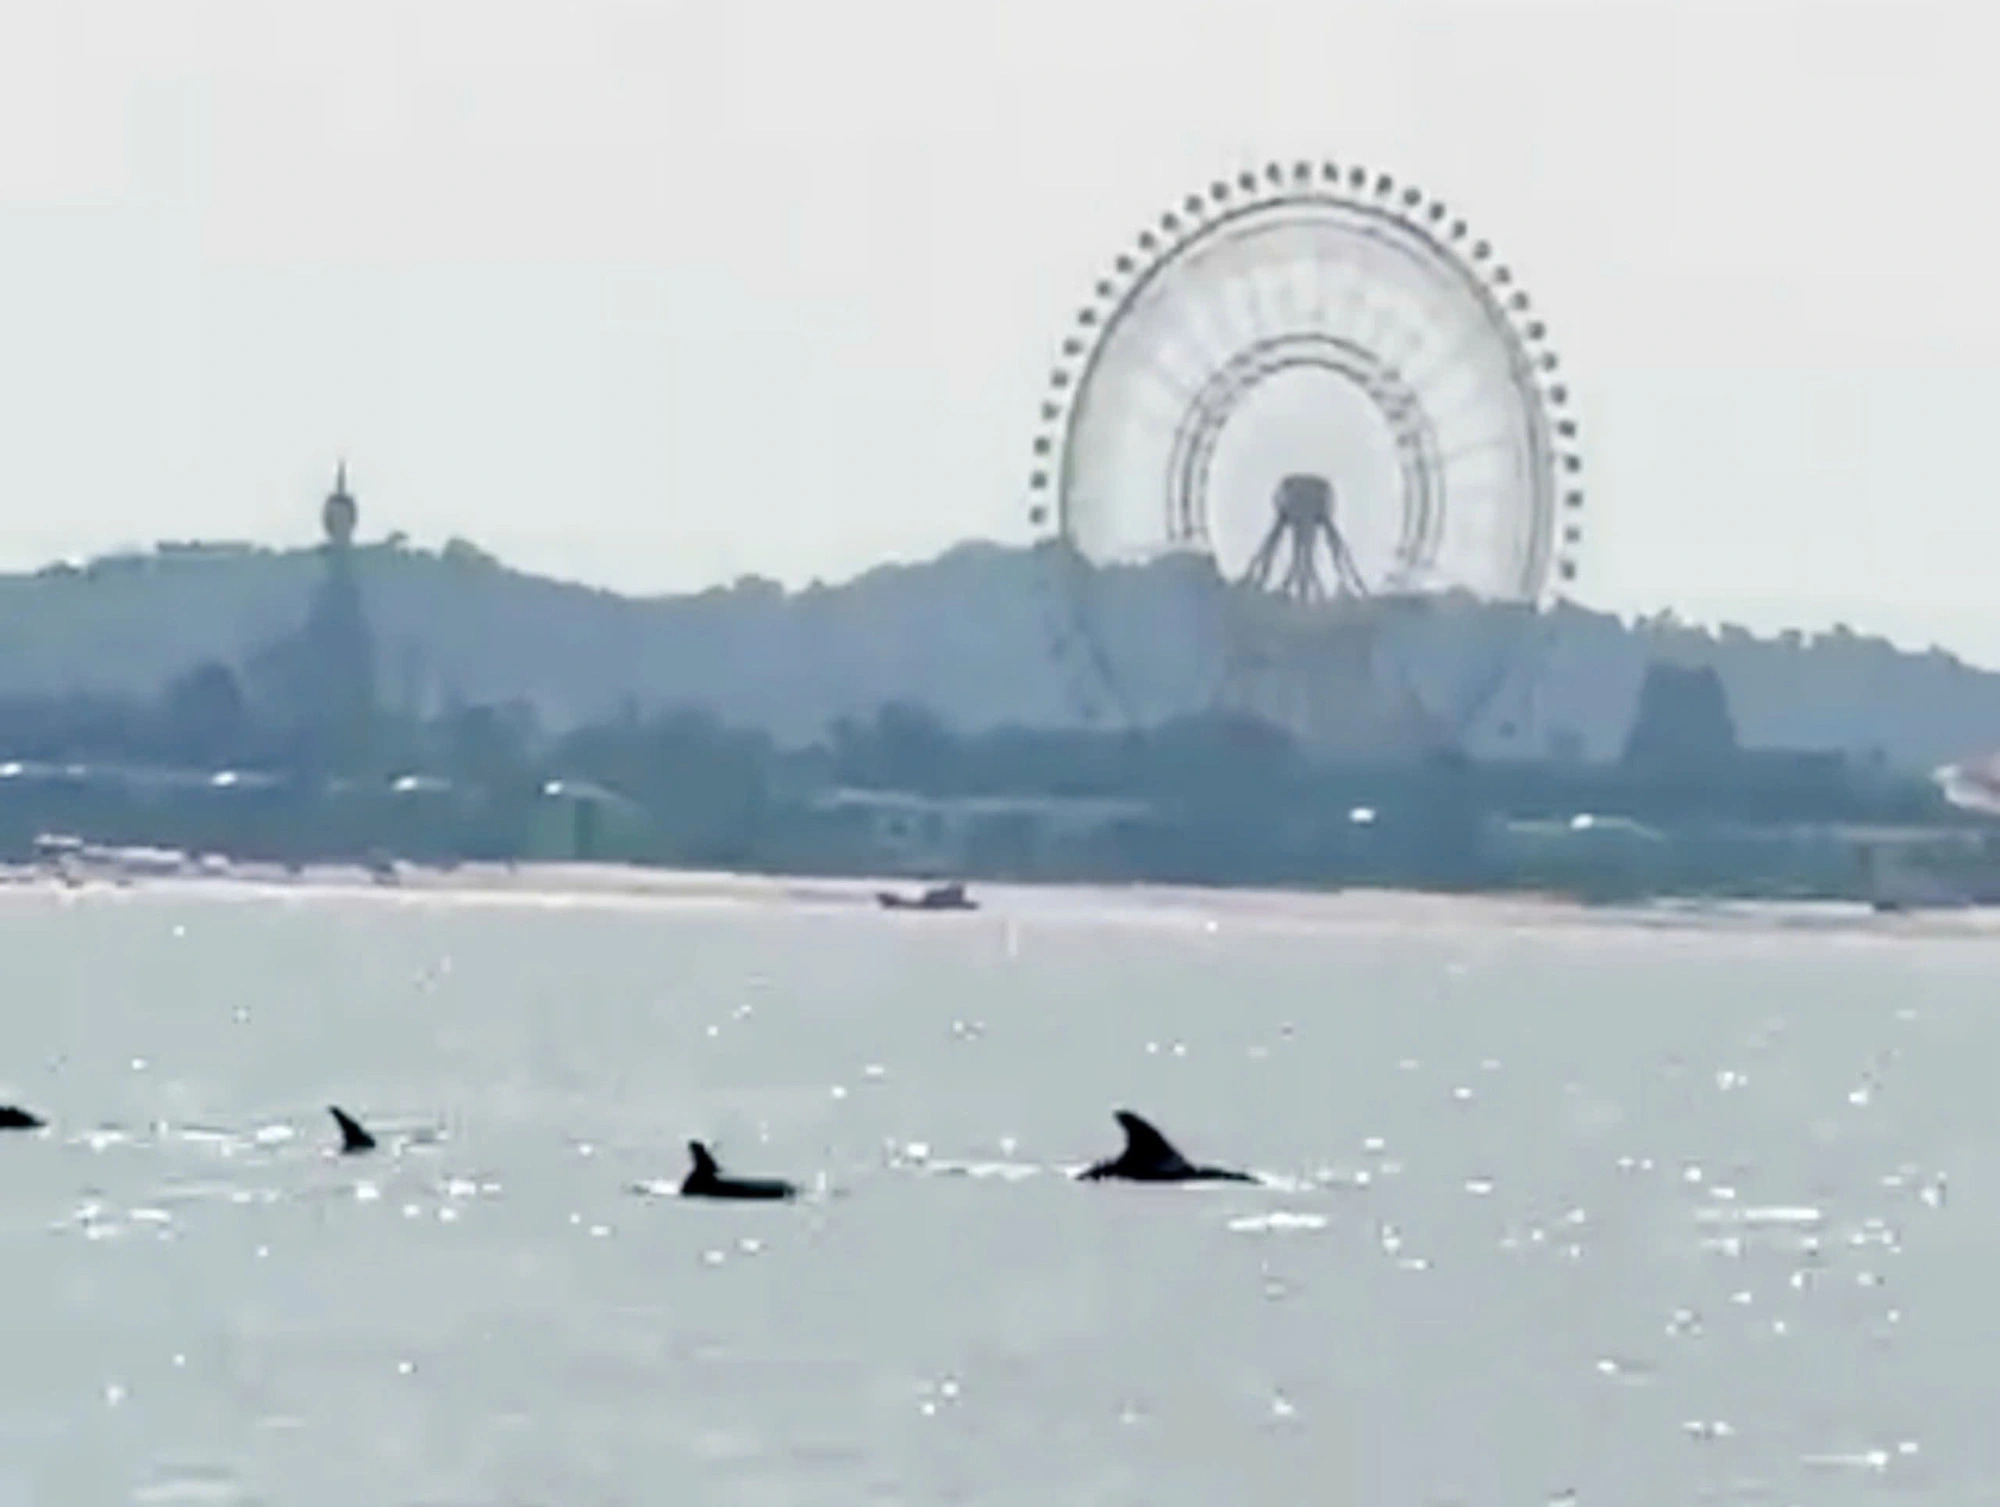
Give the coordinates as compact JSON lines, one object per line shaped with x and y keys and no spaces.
{"x":971,"y":634}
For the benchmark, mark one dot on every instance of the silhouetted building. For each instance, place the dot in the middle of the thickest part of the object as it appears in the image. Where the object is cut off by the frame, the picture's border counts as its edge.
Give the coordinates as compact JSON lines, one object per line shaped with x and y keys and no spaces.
{"x":1683,"y":720}
{"x":340,"y":646}
{"x":318,"y":684}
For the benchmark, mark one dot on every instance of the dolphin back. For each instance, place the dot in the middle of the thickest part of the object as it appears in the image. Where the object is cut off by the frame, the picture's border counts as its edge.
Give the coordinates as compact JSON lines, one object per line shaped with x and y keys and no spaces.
{"x":1149,"y":1157}
{"x":706,"y":1179}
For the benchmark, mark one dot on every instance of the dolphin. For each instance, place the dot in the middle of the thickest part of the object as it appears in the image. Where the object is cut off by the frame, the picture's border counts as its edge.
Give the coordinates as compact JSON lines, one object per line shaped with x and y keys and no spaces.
{"x":706,"y":1179}
{"x":13,"y":1117}
{"x":1150,"y":1157}
{"x":354,"y":1137}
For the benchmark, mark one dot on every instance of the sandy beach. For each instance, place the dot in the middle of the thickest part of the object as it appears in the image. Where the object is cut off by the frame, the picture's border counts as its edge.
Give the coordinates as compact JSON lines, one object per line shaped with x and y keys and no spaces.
{"x":625,"y":886}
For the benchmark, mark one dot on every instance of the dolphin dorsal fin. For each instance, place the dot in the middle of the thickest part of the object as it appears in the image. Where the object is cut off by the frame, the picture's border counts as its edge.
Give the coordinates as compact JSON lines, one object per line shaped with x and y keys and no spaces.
{"x":354,"y":1137}
{"x":704,"y":1162}
{"x":1144,"y":1145}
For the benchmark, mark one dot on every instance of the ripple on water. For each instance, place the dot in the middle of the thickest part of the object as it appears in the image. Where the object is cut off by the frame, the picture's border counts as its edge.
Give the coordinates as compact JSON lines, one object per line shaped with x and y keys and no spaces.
{"x":1624,"y":1369}
{"x":1876,"y":1461}
{"x":1276,"y":1182}
{"x":1278,"y":1222}
{"x":207,"y":1138}
{"x":1006,"y":1172}
{"x":1356,"y":1181}
{"x":105,"y":1138}
{"x":470,"y":1187}
{"x":216,"y":1190}
{"x":1761,"y":1217}
{"x":98,"y":1219}
{"x":173,"y":1484}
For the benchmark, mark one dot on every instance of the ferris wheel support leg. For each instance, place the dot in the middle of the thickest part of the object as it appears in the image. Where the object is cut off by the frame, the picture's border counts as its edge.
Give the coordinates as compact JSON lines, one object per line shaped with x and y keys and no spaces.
{"x":1345,"y":570}
{"x":1258,"y":573}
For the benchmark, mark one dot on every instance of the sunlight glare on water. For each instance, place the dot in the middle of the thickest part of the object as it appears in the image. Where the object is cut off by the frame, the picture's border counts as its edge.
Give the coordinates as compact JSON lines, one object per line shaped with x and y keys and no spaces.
{"x":1557,"y":1210}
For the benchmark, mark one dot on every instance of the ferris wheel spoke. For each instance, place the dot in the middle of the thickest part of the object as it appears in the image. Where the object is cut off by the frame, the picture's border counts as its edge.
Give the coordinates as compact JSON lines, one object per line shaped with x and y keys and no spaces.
{"x":1317,"y":319}
{"x":1401,"y":336}
{"x":1457,"y":359}
{"x":1232,"y":321}
{"x":1230,"y":297}
{"x":1177,"y":382}
{"x":1213,"y":343}
{"x":1151,"y":368}
{"x":1399,"y":354}
{"x":1368,"y":272}
{"x":1295,"y":279}
{"x":1353,"y":296}
{"x":1463,"y":443}
{"x":1256,"y":313}
{"x":1273,"y":302}
{"x":1151,"y":410}
{"x":1385,"y":332}
{"x":1183,"y":327}
{"x":1380,"y":337}
{"x":1359,"y":324}
{"x":1468,"y":382}
{"x":1298,"y":273}
{"x":1267,"y":296}
{"x":1446,"y":414}
{"x":1409,"y":355}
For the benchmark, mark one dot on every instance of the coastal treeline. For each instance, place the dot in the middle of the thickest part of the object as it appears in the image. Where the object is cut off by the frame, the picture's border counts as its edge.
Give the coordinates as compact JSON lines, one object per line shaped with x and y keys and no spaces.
{"x":208,"y":767}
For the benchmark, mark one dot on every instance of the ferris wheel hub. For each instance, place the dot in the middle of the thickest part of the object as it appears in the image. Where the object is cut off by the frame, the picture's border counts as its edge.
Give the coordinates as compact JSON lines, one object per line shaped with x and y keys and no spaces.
{"x":1304,"y":502}
{"x":1302,"y":528}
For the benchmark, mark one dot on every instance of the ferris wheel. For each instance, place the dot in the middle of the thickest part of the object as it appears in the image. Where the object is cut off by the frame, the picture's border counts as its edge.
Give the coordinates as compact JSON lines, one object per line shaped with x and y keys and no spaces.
{"x":1306,"y":444}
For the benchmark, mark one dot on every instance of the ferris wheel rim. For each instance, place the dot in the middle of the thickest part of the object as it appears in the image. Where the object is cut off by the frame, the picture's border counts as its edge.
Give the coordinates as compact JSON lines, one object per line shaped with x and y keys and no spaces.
{"x":1383,"y":227}
{"x":1506,"y":339}
{"x":1410,"y":217}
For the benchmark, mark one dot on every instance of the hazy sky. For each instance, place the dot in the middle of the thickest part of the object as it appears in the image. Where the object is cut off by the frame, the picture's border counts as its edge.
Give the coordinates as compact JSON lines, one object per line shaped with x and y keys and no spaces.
{"x":655,"y":294}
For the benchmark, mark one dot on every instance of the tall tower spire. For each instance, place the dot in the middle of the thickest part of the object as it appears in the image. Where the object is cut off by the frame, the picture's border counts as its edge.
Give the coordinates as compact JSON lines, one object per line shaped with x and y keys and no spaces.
{"x":340,"y":682}
{"x":338,"y":515}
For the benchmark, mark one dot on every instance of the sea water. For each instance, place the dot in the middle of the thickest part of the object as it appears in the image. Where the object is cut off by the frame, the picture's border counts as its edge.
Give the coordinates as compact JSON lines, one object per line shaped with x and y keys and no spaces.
{"x":1560,"y":1210}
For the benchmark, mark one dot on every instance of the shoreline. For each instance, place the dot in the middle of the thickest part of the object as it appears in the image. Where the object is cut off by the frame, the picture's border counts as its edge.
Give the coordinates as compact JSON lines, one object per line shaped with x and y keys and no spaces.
{"x":622,"y":886}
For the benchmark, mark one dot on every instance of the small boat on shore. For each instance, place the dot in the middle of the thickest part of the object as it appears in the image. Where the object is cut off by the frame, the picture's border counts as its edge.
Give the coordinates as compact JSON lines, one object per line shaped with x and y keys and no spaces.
{"x":951,"y":896}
